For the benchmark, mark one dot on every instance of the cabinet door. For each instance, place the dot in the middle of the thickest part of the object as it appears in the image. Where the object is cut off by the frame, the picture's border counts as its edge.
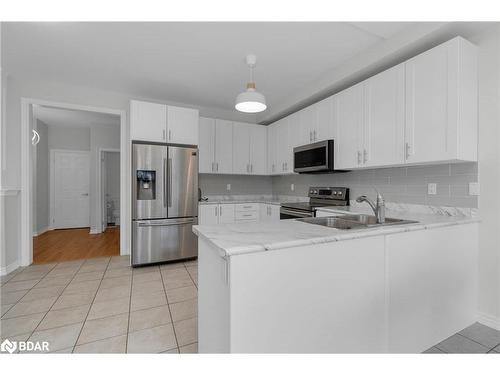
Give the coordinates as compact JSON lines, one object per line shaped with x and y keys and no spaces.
{"x":274,"y":211}
{"x":208,"y":214}
{"x":384,"y":118}
{"x":427,"y":84}
{"x":206,"y":147}
{"x":293,"y":140}
{"x":325,"y":123}
{"x":223,"y":146}
{"x":148,"y":121}
{"x":349,"y":111}
{"x":282,"y":146}
{"x":241,"y":148}
{"x":272,"y":144}
{"x":308,"y":122}
{"x":226,"y":213}
{"x":182,"y":125}
{"x":258,"y":149}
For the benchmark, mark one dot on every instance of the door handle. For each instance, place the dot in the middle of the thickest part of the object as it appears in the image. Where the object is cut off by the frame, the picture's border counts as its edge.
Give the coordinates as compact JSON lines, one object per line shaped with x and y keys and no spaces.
{"x":169,"y":182}
{"x":165,"y":178}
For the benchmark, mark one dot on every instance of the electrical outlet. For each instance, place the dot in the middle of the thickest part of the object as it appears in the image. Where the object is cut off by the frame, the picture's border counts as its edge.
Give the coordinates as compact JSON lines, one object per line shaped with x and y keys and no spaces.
{"x":228,"y":187}
{"x":292,"y":187}
{"x":432,"y":189}
{"x":474,"y":188}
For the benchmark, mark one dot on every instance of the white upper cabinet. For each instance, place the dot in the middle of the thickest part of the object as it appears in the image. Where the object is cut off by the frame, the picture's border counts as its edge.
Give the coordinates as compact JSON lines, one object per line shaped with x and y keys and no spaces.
{"x":182,"y":125}
{"x":223,"y":146}
{"x":258,"y":149}
{"x":216,"y":146}
{"x":326,"y":126}
{"x":155,"y":122}
{"x":308,"y":125}
{"x":148,"y":121}
{"x":284,"y":147}
{"x":206,"y":147}
{"x":383,"y":125}
{"x":249,"y":149}
{"x":349,"y":115}
{"x":441,"y":104}
{"x":272,"y":142}
{"x":241,"y":148}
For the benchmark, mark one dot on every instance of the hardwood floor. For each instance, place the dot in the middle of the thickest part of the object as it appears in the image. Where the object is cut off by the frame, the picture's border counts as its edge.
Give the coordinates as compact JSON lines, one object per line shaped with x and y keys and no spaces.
{"x":73,"y":244}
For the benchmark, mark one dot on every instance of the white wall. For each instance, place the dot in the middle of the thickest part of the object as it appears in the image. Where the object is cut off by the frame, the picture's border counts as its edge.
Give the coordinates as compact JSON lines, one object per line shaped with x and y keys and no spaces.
{"x":112,"y":186}
{"x":489,"y":175}
{"x":69,"y":138}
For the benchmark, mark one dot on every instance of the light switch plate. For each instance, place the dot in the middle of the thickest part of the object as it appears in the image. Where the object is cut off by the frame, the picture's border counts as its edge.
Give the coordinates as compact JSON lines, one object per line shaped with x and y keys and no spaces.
{"x":474,"y":188}
{"x":292,"y":187}
{"x":431,"y":189}
{"x":228,"y":187}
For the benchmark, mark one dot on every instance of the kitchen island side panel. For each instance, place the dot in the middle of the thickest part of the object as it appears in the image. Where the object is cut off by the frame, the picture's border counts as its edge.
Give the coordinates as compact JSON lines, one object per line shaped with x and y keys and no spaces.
{"x":213,"y":300}
{"x":431,"y":284}
{"x":323,"y":298}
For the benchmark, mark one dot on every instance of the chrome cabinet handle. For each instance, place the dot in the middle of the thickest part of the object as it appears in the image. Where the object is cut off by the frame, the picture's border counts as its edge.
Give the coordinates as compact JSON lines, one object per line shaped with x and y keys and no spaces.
{"x":251,"y":168}
{"x":220,"y":210}
{"x":359,"y":157}
{"x":310,"y":136}
{"x":315,"y":139}
{"x":407,"y":150}
{"x":169,"y":134}
{"x":216,"y":211}
{"x":365,"y":156}
{"x":217,"y":166}
{"x":85,"y":194}
{"x":213,"y":167}
{"x":163,"y":136}
{"x":169,"y":182}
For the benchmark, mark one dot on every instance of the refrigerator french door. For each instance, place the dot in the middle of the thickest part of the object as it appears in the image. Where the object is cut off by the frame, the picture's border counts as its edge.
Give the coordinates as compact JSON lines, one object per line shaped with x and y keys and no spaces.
{"x":164,"y":203}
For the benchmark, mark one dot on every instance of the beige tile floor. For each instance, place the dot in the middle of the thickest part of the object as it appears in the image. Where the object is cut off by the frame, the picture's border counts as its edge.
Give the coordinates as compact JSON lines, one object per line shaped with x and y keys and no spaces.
{"x":102,"y":305}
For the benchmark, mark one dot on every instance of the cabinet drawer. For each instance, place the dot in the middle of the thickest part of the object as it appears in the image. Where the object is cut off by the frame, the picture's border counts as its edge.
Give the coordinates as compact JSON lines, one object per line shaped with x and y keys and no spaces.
{"x":246,"y":215}
{"x":247,"y":207}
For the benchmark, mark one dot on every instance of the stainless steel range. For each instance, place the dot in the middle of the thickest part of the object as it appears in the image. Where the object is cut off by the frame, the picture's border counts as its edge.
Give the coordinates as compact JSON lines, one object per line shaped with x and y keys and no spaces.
{"x":318,"y":197}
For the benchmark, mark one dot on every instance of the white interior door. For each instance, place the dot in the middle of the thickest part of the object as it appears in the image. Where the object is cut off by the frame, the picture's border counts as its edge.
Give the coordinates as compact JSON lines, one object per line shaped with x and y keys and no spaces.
{"x":70,"y":189}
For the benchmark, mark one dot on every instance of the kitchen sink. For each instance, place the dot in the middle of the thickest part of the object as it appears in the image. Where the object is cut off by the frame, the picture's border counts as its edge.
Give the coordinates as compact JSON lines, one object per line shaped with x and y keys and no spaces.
{"x":346,"y":222}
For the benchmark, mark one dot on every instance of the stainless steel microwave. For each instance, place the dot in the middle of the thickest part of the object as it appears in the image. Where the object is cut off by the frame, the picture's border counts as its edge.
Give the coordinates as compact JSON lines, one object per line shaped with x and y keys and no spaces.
{"x":314,"y":158}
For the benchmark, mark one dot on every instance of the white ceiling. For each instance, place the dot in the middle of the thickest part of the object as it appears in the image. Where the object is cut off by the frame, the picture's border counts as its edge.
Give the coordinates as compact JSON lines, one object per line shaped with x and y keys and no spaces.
{"x":73,"y":118}
{"x":194,"y":63}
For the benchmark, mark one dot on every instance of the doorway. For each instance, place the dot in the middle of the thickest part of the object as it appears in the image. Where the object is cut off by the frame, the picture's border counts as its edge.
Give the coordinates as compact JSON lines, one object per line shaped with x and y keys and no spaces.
{"x":67,"y":222}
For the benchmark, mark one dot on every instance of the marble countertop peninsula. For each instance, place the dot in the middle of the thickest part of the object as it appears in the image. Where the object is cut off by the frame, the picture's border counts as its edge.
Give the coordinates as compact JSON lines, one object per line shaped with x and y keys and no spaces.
{"x":234,"y":239}
{"x":269,"y":199}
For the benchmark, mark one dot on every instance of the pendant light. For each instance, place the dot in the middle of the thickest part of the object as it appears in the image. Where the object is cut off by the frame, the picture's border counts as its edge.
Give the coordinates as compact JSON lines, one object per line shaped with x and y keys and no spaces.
{"x":251,"y":101}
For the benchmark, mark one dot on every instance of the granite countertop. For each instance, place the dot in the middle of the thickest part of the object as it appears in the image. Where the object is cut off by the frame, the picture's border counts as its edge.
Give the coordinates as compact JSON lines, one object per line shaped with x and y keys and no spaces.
{"x":234,"y":239}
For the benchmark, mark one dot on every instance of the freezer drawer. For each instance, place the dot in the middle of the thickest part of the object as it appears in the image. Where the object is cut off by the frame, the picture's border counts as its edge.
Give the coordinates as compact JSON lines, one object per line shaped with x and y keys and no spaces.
{"x":163,"y":240}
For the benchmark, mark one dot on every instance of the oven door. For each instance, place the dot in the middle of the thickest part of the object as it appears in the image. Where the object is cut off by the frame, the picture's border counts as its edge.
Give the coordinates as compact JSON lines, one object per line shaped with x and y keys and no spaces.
{"x":316,"y":157}
{"x":289,"y":213}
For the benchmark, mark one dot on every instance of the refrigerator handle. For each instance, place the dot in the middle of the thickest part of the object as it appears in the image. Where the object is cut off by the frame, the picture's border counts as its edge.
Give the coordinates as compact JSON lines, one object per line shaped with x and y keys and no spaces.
{"x":164,"y":183}
{"x":169,"y":182}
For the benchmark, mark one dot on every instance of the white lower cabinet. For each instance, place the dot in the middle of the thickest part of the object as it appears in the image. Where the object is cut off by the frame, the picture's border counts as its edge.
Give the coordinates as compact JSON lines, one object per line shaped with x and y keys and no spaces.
{"x":210,"y":214}
{"x":269,"y":212}
{"x":228,"y":213}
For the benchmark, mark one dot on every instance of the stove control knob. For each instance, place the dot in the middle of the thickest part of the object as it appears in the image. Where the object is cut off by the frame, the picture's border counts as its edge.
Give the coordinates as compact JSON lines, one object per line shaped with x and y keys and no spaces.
{"x":334,"y":193}
{"x":340,"y":193}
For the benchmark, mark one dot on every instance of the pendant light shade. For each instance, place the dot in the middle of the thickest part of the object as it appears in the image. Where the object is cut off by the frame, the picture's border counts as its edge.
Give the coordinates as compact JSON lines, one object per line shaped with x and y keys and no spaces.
{"x":251,"y":101}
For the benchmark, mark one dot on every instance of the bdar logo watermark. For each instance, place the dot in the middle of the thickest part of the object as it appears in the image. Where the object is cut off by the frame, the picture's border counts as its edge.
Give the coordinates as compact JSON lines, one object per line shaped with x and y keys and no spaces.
{"x":23,"y":346}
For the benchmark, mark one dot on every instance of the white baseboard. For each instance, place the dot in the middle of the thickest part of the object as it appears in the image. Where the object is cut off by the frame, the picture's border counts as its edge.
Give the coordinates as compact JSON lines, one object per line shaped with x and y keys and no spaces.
{"x":95,"y":231}
{"x":40,"y":232}
{"x":9,"y":268}
{"x":489,"y":320}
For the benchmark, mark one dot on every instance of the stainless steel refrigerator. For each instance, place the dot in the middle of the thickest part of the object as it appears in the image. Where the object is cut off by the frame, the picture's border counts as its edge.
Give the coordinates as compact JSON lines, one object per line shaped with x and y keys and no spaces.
{"x":164,"y":203}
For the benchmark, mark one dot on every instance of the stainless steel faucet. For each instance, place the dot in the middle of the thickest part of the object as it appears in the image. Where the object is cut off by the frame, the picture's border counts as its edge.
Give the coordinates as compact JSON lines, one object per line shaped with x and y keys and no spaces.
{"x":378,"y":207}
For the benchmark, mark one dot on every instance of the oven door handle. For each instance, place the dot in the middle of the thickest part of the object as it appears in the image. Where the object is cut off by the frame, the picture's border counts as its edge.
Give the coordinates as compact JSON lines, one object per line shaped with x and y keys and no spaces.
{"x":287,"y":211}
